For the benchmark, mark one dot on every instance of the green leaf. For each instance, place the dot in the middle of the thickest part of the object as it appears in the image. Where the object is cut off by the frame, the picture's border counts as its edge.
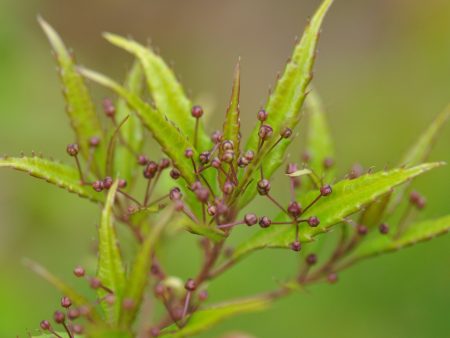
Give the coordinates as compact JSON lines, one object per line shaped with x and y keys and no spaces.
{"x":140,"y":270}
{"x":131,"y":133}
{"x":66,"y":290}
{"x":110,"y":267}
{"x":51,"y":335}
{"x":348,"y":197}
{"x":53,"y":172}
{"x":211,"y":232}
{"x":232,"y":124}
{"x":166,"y":91}
{"x":202,"y":320}
{"x":80,"y":107}
{"x":283,"y":107}
{"x":171,"y":139}
{"x":319,"y":142}
{"x":373,"y":214}
{"x":416,"y":233}
{"x":419,"y":153}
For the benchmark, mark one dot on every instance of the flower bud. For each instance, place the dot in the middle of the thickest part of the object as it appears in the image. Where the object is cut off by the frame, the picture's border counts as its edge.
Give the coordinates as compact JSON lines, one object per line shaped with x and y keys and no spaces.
{"x":265,"y":132}
{"x":296,"y":245}
{"x":175,"y":173}
{"x":108,"y":107}
{"x":326,"y":190}
{"x":286,"y":132}
{"x":73,"y":149}
{"x":265,"y":222}
{"x":262,"y":115}
{"x":197,"y":112}
{"x":313,"y":221}
{"x":294,"y":209}
{"x":263,"y":187}
{"x":250,"y":219}
{"x":190,"y":285}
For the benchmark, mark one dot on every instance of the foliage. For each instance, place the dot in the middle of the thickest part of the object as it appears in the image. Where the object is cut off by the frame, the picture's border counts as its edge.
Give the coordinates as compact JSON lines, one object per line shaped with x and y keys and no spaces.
{"x":217,"y":177}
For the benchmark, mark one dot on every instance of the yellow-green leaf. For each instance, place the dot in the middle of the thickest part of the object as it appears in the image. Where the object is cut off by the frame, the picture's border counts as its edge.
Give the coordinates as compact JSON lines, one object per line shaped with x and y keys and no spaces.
{"x":110,"y":268}
{"x":62,"y":175}
{"x":80,"y":107}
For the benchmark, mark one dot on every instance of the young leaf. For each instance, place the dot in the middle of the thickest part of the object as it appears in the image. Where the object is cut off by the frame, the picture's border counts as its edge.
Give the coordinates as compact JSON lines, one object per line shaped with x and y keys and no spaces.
{"x":416,"y":233}
{"x":202,"y":320}
{"x":171,"y":139}
{"x":348,"y":197}
{"x":232,"y":124}
{"x":166,"y":91}
{"x":373,"y":214}
{"x":53,"y":172}
{"x":110,"y":267}
{"x":319,"y":142}
{"x":419,"y":153}
{"x":140,"y":271}
{"x":284,"y":108}
{"x":80,"y":108}
{"x":131,"y":133}
{"x":212,"y":233}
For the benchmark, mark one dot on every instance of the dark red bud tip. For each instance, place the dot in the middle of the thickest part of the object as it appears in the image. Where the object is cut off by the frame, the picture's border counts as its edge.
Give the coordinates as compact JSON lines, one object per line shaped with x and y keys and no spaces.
{"x":154,"y":332}
{"x":79,"y":271}
{"x":263,"y":187}
{"x":356,"y":171}
{"x":164,"y":164}
{"x":128,"y":304}
{"x":262,"y":115}
{"x":286,"y":132}
{"x":306,"y":156}
{"x":202,"y":194}
{"x":204,"y":157}
{"x":150,"y":170}
{"x":122,"y":183}
{"x":73,"y":149}
{"x":77,"y":329}
{"x":190,"y":285}
{"x":175,"y":173}
{"x":265,"y":132}
{"x":384,"y":228}
{"x":196,"y":185}
{"x":326,"y":190}
{"x":94,"y":141}
{"x":291,"y":168}
{"x":97,"y":185}
{"x":66,"y":302}
{"x":197,"y":111}
{"x":332,"y":278}
{"x":313,"y":221}
{"x":189,"y":153}
{"x":95,"y":283}
{"x":45,"y":325}
{"x":328,"y":162}
{"x":159,"y":289}
{"x":414,"y":197}
{"x":227,"y":145}
{"x":362,"y":229}
{"x":311,"y":259}
{"x":59,"y":317}
{"x":212,"y":210}
{"x":216,"y":163}
{"x":108,"y":107}
{"x":243,"y":162}
{"x":203,"y":295}
{"x":250,"y":219}
{"x":249,"y":155}
{"x":216,"y":137}
{"x":107,"y":182}
{"x":296,"y":246}
{"x":227,"y":156}
{"x":142,"y":160}
{"x":265,"y":222}
{"x":294,"y":209}
{"x":175,"y":194}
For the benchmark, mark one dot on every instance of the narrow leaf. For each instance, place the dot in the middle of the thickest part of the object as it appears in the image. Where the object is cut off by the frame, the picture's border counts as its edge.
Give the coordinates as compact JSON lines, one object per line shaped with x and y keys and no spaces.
{"x":110,"y":267}
{"x":319,"y":144}
{"x":416,"y":233}
{"x":348,"y":197}
{"x":374,"y":212}
{"x":80,"y":107}
{"x":131,"y":132}
{"x":171,"y":139}
{"x":140,"y":270}
{"x":166,"y":91}
{"x":212,"y":233}
{"x":62,"y":175}
{"x":66,"y":290}
{"x":284,"y":107}
{"x":202,"y":320}
{"x":232,"y":124}
{"x":299,"y":173}
{"x":419,"y":153}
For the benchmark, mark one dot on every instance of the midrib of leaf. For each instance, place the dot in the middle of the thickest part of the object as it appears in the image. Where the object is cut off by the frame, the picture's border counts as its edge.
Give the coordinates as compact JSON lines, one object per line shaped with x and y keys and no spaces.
{"x":62,"y":175}
{"x":283,"y":107}
{"x":110,"y":267}
{"x":348,"y":197}
{"x":80,"y":107}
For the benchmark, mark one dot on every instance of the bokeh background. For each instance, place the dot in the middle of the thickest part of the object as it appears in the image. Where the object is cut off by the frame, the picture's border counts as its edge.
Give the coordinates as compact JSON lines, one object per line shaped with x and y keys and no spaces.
{"x":383,"y":71}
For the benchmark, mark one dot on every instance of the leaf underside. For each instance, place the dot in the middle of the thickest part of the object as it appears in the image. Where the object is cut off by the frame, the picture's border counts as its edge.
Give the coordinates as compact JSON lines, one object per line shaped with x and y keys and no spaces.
{"x":62,"y":175}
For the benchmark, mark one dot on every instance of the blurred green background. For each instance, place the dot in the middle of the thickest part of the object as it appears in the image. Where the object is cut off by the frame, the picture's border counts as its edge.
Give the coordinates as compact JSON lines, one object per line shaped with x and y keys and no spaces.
{"x":383,"y":70}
